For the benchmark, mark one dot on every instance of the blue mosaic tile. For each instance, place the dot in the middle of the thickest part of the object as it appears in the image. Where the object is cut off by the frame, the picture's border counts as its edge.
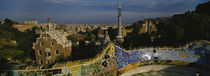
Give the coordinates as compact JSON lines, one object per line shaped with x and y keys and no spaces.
{"x":188,"y":55}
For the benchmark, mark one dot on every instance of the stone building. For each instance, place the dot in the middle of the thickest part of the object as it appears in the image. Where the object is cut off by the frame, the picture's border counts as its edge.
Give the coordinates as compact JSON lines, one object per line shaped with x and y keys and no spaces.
{"x":51,"y":46}
{"x":23,"y":27}
{"x":28,"y":24}
{"x":101,"y":33}
{"x":148,"y":26}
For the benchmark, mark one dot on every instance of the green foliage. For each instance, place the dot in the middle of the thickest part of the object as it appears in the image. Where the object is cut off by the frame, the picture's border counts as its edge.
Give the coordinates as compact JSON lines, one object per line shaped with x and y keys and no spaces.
{"x":11,"y":53}
{"x":8,"y":51}
{"x":5,"y":35}
{"x":188,"y":27}
{"x":14,"y":44}
{"x":203,"y":8}
{"x":84,"y":51}
{"x":134,"y":40}
{"x":174,"y":31}
{"x":179,"y":33}
{"x":9,"y":22}
{"x":73,"y":38}
{"x":112,"y":33}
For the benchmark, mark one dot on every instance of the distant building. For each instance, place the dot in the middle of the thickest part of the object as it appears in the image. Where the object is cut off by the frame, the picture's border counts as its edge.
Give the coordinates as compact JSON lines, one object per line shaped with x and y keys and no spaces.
{"x":51,"y":46}
{"x":81,"y":37}
{"x":28,"y":24}
{"x":23,"y":27}
{"x":101,"y":33}
{"x":34,"y":22}
{"x":148,"y":26}
{"x":1,"y":22}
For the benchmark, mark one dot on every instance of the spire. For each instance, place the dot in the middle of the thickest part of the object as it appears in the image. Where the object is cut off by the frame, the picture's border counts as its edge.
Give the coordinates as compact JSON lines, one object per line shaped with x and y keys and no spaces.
{"x":50,"y":25}
{"x":119,"y":36}
{"x":107,"y":39}
{"x":119,"y":9}
{"x":48,"y":20}
{"x":119,"y":4}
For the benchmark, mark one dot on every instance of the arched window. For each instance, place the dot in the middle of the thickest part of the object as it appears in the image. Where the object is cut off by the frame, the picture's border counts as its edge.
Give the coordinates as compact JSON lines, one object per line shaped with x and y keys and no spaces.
{"x":41,"y":44}
{"x":46,"y":37}
{"x":52,"y":43}
{"x":40,"y":52}
{"x":57,"y":52}
{"x":48,"y":53}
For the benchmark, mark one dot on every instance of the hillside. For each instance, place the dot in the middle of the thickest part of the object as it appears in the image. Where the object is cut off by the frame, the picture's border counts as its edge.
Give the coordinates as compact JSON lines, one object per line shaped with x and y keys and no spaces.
{"x":174,"y":31}
{"x":16,"y":46}
{"x":203,"y":8}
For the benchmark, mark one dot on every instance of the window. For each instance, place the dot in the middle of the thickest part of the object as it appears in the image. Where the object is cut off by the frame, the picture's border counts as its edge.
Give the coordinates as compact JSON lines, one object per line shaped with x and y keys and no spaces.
{"x":57,"y":52}
{"x":40,"y":52}
{"x":41,"y":43}
{"x":46,"y":37}
{"x":52,"y":43}
{"x":47,"y":54}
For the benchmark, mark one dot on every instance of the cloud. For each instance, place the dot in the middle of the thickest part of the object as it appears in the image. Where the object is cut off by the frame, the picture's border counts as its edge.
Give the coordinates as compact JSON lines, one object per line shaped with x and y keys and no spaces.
{"x":92,"y":11}
{"x":61,"y":1}
{"x":129,"y":3}
{"x":150,"y":3}
{"x":156,"y":3}
{"x":84,"y":2}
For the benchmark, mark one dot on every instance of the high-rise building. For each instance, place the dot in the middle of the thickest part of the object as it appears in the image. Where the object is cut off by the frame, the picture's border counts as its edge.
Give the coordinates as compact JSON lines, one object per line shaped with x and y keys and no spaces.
{"x":119,"y":36}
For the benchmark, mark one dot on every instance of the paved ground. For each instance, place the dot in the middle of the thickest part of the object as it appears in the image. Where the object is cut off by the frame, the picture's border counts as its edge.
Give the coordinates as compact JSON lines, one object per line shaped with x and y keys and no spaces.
{"x":166,"y":70}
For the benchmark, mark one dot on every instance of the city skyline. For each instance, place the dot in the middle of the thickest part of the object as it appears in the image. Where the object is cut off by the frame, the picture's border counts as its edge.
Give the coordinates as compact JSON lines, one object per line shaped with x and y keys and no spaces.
{"x":92,"y":11}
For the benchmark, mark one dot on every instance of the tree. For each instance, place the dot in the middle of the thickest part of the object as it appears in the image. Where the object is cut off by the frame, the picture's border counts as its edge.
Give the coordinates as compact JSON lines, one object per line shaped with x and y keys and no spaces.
{"x":112,"y":33}
{"x":15,"y":42}
{"x":203,"y":8}
{"x":73,"y":38}
{"x":9,"y":22}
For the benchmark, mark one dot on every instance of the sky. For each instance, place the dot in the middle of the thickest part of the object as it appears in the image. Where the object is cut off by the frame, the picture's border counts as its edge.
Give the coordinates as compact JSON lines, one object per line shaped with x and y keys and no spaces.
{"x":92,"y":11}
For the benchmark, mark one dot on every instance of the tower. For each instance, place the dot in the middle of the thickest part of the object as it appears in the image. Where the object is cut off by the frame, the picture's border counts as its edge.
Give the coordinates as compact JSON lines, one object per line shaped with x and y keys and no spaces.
{"x":50,"y":26}
{"x":119,"y":36}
